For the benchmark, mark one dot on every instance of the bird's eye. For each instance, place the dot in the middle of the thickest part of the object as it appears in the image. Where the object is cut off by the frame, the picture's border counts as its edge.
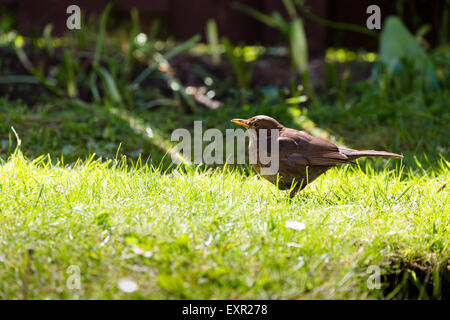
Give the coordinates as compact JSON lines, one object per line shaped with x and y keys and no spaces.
{"x":256,"y":124}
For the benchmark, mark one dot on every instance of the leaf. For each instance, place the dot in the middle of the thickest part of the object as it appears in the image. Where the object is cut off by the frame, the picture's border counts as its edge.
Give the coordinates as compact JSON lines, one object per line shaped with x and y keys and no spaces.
{"x":182,"y":47}
{"x":397,"y":42}
{"x":97,"y":53}
{"x":213,"y":39}
{"x":290,"y":8}
{"x":281,"y":24}
{"x":264,"y":18}
{"x":176,"y":50}
{"x":101,"y":34}
{"x":110,"y":85}
{"x":47,"y":82}
{"x":69,"y":72}
{"x":299,"y":48}
{"x":423,"y":31}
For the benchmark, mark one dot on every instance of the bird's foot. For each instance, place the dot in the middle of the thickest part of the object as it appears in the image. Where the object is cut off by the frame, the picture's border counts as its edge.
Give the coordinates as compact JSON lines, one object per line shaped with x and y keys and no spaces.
{"x":293,"y":192}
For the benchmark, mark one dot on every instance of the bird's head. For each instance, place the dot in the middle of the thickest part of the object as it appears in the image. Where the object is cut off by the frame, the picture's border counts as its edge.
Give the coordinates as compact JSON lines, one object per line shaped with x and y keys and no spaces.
{"x":259,"y":122}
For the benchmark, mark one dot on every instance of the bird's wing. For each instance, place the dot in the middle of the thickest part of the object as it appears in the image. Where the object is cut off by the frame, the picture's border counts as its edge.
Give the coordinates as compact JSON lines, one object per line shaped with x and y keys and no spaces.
{"x":304,"y":149}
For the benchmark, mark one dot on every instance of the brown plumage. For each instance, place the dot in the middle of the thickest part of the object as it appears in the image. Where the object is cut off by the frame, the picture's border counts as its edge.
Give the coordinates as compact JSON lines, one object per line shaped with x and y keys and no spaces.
{"x":302,"y":157}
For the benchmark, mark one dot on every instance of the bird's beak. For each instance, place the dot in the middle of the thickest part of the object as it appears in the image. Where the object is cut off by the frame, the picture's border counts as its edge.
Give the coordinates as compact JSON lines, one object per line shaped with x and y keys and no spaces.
{"x":241,"y":122}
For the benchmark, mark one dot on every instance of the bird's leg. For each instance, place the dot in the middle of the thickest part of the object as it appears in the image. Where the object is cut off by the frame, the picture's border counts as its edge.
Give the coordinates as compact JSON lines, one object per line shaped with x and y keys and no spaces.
{"x":294,"y":191}
{"x":297,"y":187}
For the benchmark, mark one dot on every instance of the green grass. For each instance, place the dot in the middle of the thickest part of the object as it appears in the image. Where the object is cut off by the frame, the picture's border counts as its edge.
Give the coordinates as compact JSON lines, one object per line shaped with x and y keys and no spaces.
{"x":218,"y":234}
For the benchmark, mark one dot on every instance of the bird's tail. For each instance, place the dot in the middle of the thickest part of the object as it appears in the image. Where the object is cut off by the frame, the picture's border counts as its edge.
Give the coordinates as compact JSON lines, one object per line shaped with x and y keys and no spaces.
{"x":354,"y":154}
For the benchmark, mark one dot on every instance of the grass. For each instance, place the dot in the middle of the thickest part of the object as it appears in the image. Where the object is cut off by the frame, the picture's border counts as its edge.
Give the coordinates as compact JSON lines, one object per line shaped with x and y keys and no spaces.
{"x":204,"y":234}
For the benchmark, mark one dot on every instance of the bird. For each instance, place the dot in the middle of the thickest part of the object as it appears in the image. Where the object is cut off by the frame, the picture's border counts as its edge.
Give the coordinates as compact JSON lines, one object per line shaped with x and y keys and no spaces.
{"x":302,"y":157}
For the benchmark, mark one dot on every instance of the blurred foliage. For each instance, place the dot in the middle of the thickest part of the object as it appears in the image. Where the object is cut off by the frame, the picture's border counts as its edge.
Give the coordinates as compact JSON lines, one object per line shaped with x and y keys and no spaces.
{"x":404,"y":103}
{"x":292,"y":30}
{"x":94,"y":89}
{"x":411,"y":11}
{"x":212,"y":35}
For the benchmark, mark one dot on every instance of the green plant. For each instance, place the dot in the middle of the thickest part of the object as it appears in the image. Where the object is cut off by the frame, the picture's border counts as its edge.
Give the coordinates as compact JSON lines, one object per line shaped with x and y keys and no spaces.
{"x":398,"y":48}
{"x":106,"y":74}
{"x":293,"y":32}
{"x":212,"y":35}
{"x":242,"y":68}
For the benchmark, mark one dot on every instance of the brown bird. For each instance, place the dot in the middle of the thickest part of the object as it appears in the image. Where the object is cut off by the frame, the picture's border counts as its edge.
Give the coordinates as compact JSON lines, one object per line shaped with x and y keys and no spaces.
{"x":302,"y":157}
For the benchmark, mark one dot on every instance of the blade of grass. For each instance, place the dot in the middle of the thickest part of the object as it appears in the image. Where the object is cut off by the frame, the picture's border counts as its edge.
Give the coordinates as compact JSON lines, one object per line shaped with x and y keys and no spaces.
{"x":264,"y":18}
{"x":69,"y":66}
{"x":101,"y":34}
{"x":213,"y":39}
{"x":176,"y":50}
{"x":109,"y":84}
{"x":48,"y":83}
{"x":333,"y":24}
{"x":299,"y":49}
{"x":98,"y":50}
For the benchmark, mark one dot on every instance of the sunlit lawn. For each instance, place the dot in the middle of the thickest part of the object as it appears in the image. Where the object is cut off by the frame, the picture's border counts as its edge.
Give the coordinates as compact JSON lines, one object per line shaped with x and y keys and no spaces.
{"x":216,"y":234}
